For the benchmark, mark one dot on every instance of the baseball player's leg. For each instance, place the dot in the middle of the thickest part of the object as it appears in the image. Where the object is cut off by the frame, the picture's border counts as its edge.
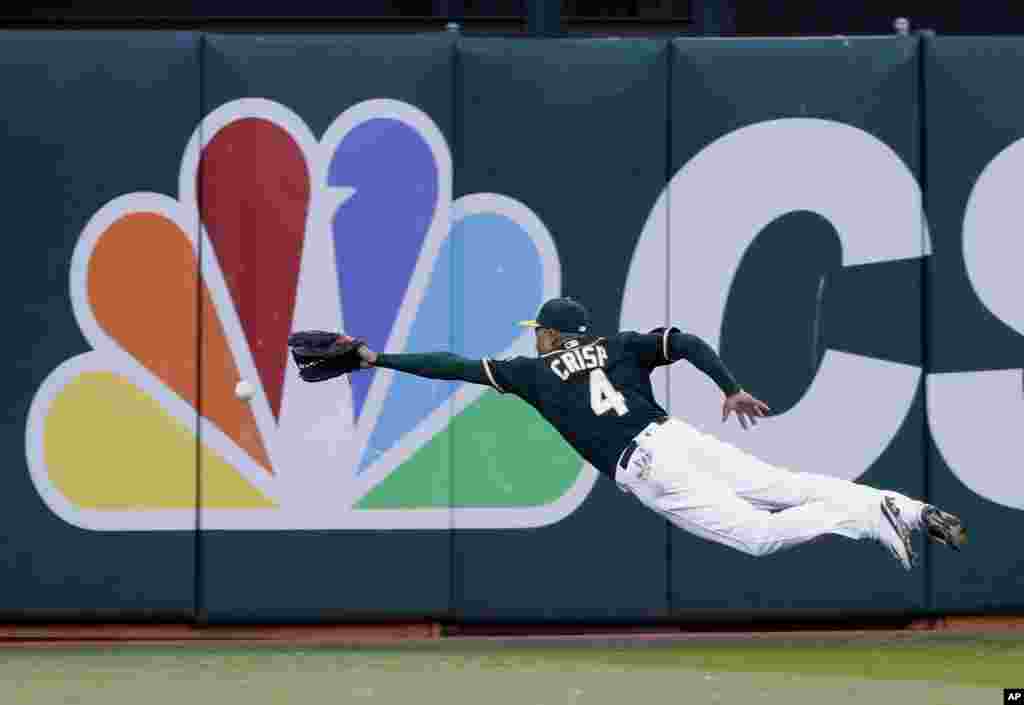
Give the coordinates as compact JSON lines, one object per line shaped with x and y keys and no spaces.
{"x":705,"y":506}
{"x":736,"y":523}
{"x":770,"y":487}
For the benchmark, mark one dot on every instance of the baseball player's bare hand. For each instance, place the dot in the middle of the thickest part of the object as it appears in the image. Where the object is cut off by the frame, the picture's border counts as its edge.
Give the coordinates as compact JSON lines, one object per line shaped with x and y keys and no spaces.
{"x":746,"y":408}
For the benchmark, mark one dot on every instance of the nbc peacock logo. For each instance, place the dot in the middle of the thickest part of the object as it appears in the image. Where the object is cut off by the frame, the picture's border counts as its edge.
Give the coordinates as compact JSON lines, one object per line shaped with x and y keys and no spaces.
{"x":272,"y":231}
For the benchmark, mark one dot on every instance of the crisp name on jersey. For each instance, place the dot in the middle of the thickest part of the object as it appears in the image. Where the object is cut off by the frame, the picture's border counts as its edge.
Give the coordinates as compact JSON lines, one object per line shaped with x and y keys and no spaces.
{"x":581,"y":359}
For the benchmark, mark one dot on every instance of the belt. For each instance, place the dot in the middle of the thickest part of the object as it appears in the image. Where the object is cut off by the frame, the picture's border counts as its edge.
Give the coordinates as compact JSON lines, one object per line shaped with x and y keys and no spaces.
{"x":628,"y":452}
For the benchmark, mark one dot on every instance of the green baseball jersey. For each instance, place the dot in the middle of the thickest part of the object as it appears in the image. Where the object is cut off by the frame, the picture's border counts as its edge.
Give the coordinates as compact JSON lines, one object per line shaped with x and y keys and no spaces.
{"x":595,"y":391}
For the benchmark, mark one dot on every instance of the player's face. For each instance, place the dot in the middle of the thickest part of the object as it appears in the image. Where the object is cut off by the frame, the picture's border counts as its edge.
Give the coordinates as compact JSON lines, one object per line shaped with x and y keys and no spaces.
{"x":547,"y":340}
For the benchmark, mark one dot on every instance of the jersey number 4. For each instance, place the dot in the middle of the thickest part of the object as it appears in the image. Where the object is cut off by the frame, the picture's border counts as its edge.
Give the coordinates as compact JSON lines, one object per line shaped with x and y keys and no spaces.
{"x":604,"y":397}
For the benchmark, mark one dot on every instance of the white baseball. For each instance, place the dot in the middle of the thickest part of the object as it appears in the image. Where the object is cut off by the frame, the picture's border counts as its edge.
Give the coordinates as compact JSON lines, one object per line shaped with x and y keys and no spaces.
{"x":244,"y":390}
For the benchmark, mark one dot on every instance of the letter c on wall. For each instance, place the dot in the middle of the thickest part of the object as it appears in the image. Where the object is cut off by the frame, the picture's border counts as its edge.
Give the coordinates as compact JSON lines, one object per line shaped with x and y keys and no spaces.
{"x":714,"y":207}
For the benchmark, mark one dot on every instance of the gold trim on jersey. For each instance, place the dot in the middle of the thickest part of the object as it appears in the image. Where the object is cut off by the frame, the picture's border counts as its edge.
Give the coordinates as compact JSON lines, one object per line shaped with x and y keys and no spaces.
{"x":490,"y":375}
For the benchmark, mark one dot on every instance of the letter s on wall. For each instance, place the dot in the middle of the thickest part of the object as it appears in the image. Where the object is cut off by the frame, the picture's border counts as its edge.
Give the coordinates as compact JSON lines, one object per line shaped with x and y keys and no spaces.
{"x":977,"y":418}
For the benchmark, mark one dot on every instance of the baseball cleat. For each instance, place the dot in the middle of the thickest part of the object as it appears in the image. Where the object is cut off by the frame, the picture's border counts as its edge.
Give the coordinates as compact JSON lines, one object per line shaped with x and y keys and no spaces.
{"x":895,"y":534}
{"x":943,"y":527}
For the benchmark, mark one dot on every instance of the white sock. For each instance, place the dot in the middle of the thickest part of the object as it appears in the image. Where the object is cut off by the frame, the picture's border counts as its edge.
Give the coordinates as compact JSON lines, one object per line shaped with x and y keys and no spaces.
{"x":910,"y":510}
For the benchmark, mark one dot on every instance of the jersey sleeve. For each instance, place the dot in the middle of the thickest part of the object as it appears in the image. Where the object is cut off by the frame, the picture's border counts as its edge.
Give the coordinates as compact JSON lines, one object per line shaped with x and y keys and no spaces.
{"x":651,"y":349}
{"x":514,"y":375}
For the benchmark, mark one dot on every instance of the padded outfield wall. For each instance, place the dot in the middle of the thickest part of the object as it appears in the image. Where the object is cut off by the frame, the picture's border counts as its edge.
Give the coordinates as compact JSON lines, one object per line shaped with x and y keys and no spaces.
{"x":836,"y":216}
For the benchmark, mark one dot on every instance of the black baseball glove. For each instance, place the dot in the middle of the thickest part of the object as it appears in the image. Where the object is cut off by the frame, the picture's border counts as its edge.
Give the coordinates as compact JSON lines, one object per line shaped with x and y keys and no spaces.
{"x":321,"y":355}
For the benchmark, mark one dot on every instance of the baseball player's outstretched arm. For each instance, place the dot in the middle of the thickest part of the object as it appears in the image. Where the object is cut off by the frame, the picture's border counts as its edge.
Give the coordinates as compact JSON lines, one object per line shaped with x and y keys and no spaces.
{"x":435,"y":365}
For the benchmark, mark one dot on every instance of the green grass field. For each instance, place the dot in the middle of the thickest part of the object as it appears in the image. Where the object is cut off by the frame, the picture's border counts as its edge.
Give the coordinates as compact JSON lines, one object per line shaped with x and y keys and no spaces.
{"x":916,"y":668}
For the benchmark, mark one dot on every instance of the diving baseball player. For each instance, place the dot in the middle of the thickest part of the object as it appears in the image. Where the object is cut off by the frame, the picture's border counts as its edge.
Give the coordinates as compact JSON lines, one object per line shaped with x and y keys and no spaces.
{"x":596,"y":391}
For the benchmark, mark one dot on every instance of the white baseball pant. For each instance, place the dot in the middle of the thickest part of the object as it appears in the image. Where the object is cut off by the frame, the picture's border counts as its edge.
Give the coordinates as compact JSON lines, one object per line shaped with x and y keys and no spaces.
{"x":721,"y":493}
